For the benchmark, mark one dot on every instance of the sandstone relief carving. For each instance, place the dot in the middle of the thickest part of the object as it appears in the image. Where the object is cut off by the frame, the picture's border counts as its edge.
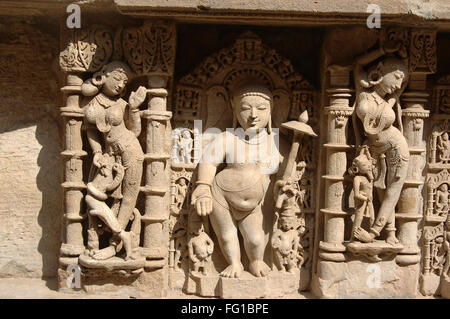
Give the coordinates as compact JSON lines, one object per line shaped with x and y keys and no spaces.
{"x":286,"y":238}
{"x":216,"y":220}
{"x":183,"y":146}
{"x":362,"y":170}
{"x":215,"y":98}
{"x":233,"y":198}
{"x":200,"y":246}
{"x":115,"y":125}
{"x":122,"y":243}
{"x":378,"y":100}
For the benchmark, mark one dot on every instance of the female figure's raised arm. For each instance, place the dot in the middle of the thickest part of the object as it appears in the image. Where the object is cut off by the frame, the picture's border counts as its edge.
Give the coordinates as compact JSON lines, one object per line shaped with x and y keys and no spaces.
{"x":134,"y":118}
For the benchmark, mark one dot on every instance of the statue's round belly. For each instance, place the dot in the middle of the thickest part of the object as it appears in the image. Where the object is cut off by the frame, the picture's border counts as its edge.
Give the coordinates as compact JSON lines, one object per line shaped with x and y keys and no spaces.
{"x":242,"y":189}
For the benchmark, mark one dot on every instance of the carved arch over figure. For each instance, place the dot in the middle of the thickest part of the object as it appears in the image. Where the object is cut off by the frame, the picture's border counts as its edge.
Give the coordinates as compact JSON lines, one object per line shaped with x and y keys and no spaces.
{"x":204,"y":93}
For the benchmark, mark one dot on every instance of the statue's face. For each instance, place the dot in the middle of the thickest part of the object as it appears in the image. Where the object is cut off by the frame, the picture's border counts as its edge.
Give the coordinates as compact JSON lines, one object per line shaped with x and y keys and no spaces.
{"x":392,"y":81}
{"x":287,"y":223}
{"x":363,"y":164}
{"x":186,"y":134}
{"x":253,"y":112}
{"x":115,"y":83}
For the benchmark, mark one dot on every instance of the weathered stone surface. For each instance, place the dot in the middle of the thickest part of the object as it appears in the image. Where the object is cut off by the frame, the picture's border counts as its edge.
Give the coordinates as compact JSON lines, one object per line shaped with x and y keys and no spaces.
{"x":207,"y":286}
{"x":245,"y":287}
{"x":31,"y":197}
{"x":429,"y":9}
{"x":132,"y":91}
{"x":357,"y":279}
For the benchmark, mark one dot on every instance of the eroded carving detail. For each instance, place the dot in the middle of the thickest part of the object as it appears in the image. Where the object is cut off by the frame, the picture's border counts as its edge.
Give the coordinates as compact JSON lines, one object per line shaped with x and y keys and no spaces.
{"x":87,"y":50}
{"x":423,"y":51}
{"x":150,"y":48}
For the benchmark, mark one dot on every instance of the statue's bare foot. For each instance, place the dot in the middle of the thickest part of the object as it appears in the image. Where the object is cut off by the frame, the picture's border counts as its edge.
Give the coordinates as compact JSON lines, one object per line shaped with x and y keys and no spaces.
{"x":363,"y":235}
{"x":391,"y":239}
{"x":259,"y":268}
{"x":233,"y":271}
{"x":104,"y":253}
{"x":126,"y":239}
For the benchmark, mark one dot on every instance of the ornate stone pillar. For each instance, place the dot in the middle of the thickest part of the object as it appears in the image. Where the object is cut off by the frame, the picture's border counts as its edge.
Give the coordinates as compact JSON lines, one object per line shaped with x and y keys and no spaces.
{"x":339,"y":111}
{"x":409,"y":213}
{"x":422,"y":61}
{"x":80,"y":47}
{"x":157,"y":185}
{"x":150,"y":51}
{"x":73,"y":185}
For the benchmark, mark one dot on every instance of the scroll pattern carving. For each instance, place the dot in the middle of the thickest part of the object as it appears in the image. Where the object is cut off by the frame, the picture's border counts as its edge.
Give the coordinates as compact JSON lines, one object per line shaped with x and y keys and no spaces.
{"x":247,"y":57}
{"x":87,"y":50}
{"x":150,"y":48}
{"x":423,"y":51}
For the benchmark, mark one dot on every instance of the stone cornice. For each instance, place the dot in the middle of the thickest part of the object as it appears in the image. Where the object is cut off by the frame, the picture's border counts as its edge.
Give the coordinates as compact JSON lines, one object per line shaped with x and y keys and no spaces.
{"x":432,"y":14}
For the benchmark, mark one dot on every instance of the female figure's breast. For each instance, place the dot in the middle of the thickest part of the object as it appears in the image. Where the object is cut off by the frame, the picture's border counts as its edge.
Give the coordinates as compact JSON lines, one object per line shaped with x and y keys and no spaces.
{"x":114,"y":114}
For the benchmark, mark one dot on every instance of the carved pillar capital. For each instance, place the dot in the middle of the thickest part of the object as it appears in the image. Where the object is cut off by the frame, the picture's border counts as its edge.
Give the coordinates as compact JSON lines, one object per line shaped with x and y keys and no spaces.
{"x":86,"y":50}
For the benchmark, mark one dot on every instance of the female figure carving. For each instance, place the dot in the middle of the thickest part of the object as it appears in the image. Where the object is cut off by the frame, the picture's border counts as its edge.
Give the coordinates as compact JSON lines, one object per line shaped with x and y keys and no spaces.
{"x":117,"y":124}
{"x":378,"y":91}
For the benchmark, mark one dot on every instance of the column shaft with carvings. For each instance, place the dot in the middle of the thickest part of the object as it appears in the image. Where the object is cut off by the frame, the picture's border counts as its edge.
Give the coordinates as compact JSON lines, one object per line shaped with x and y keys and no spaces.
{"x":422,"y":61}
{"x":77,"y":59}
{"x":409,"y":213}
{"x":157,"y":185}
{"x":73,"y":184}
{"x":150,"y":51}
{"x":339,"y":111}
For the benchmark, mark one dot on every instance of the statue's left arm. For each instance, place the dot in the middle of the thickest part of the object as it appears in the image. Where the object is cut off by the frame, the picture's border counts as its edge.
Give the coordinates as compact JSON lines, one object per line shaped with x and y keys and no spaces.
{"x":134,"y":118}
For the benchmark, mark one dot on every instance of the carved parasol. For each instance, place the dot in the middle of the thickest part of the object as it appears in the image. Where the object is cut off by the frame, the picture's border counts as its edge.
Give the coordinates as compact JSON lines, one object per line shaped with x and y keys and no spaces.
{"x":298,"y":127}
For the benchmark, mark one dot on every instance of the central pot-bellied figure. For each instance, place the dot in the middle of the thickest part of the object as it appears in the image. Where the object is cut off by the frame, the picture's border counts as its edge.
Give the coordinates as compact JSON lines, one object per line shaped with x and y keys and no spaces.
{"x":233,"y":198}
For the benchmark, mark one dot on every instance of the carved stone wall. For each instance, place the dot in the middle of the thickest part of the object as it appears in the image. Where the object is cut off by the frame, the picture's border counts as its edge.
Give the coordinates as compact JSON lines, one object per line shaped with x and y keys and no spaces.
{"x":104,"y":134}
{"x":173,"y":158}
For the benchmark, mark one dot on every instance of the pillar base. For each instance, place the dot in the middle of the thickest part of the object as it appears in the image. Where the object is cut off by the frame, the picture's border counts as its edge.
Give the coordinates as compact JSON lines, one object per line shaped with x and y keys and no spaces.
{"x":359,"y":279}
{"x":445,"y":288}
{"x":275,"y":285}
{"x":430,"y":284}
{"x":122,"y":283}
